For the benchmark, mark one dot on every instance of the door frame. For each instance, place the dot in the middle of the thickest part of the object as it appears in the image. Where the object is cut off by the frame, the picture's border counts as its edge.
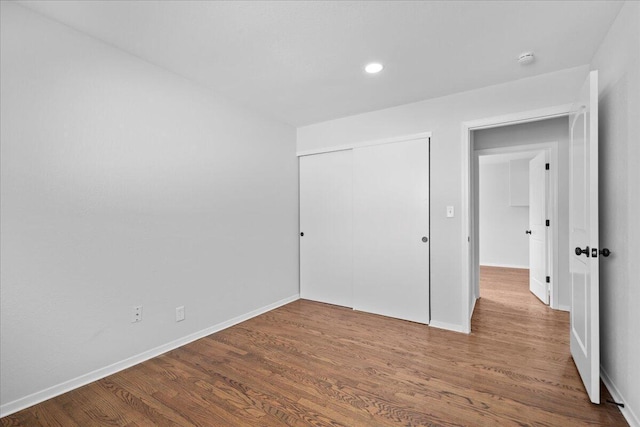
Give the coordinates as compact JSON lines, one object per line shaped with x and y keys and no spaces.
{"x":467,"y":246}
{"x":551,"y":193}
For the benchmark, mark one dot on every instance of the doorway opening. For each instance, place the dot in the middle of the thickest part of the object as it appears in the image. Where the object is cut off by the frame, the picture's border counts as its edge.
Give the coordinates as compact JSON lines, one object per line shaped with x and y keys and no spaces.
{"x":515,"y":209}
{"x":519,"y":215}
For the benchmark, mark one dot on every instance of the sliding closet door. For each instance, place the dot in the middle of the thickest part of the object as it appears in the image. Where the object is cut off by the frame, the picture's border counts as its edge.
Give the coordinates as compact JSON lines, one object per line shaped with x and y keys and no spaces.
{"x":326,"y":218}
{"x":391,"y":230}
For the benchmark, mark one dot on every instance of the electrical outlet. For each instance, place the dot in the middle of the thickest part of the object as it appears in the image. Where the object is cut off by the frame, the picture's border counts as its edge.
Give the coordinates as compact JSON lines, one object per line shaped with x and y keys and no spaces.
{"x":180,"y":313}
{"x":137,"y":314}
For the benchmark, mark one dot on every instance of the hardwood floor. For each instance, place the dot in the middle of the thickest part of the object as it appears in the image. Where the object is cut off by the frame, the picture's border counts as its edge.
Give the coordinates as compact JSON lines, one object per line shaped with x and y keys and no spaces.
{"x":313,"y":364}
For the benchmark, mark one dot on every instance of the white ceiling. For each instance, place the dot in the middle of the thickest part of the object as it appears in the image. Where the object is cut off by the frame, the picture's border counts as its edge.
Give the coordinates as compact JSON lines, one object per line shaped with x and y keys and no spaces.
{"x":301,"y":61}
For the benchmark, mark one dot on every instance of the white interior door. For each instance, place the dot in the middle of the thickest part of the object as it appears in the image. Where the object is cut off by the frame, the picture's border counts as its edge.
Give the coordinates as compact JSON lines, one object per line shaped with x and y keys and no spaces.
{"x":538,"y":243}
{"x":326,"y":218}
{"x":583,"y":229}
{"x":391,"y":230}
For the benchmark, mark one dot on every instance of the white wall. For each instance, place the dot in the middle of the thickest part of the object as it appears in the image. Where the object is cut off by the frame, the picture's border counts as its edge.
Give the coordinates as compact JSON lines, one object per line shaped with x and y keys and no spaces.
{"x":444,"y":117}
{"x":519,"y":182}
{"x":535,"y":133}
{"x":618,"y":64}
{"x":124,"y":184}
{"x":503,"y":241}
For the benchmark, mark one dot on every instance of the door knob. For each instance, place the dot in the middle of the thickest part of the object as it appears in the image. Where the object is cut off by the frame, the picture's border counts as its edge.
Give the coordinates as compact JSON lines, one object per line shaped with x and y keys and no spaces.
{"x":425,"y":239}
{"x":301,"y":234}
{"x":582,"y":251}
{"x":605,"y":252}
{"x":528,"y":232}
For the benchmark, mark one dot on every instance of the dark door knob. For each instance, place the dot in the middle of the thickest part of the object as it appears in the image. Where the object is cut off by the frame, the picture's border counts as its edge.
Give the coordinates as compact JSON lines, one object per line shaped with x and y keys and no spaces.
{"x":425,"y":239}
{"x":301,"y":234}
{"x":528,"y":232}
{"x":605,"y":252}
{"x":582,"y":251}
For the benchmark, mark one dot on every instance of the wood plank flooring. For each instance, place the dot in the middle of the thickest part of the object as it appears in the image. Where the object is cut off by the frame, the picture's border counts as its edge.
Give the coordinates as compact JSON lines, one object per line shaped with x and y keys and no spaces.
{"x":313,"y":364}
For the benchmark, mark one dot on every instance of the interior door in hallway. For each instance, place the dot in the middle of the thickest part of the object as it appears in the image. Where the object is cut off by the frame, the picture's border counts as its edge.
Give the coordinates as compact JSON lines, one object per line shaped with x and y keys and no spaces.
{"x":583,"y":234}
{"x":391,"y":229}
{"x":538,"y":237}
{"x":326,"y":211}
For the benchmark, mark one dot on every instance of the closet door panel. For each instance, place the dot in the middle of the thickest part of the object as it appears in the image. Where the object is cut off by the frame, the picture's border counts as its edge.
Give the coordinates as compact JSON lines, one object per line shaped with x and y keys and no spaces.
{"x":391,"y":230}
{"x":326,"y":220}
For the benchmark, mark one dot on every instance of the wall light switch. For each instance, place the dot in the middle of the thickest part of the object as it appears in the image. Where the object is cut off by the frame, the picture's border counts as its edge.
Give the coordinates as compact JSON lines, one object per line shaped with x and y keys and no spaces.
{"x":450,"y":212}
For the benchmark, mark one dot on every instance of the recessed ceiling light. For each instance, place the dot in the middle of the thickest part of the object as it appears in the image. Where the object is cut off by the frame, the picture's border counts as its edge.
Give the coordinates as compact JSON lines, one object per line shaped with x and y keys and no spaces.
{"x":525,"y":58}
{"x":373,"y":68}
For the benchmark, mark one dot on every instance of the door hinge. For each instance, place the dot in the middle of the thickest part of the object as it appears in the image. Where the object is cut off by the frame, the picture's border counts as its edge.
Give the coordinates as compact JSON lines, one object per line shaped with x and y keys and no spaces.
{"x":548,"y":279}
{"x":548,"y":223}
{"x":546,"y":166}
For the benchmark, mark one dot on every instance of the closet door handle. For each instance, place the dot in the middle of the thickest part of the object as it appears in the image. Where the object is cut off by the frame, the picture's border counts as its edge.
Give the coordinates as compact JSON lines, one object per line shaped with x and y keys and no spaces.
{"x":528,"y":232}
{"x":425,"y":239}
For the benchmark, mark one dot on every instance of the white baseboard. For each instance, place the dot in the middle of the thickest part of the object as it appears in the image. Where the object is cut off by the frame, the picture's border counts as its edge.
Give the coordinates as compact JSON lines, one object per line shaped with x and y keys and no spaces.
{"x":628,"y":413}
{"x":449,"y":326}
{"x":490,"y":264}
{"x":41,"y":396}
{"x":564,"y":308}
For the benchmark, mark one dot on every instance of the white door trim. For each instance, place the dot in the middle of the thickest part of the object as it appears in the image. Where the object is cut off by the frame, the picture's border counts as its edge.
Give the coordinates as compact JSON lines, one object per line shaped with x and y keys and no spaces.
{"x":552,"y":210}
{"x":467,"y":283}
{"x":351,"y":145}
